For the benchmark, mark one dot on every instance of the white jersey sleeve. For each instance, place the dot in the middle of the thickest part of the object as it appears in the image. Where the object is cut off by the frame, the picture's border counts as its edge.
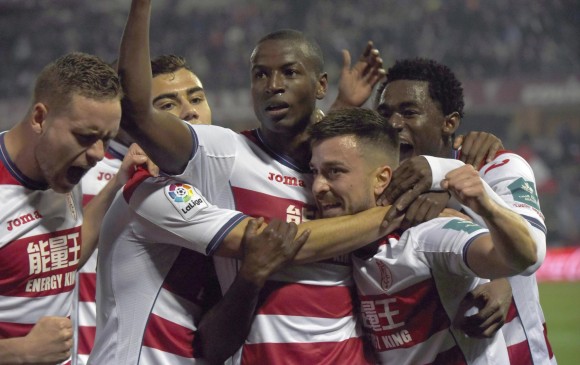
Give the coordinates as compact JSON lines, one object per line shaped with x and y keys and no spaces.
{"x":512,"y":178}
{"x":439,"y":168}
{"x":443,"y":242}
{"x":168,"y":211}
{"x":509,"y":181}
{"x":214,"y":156}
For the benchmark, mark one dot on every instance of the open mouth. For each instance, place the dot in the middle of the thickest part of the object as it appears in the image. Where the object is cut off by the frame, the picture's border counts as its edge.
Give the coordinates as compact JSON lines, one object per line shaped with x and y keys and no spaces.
{"x":277,"y":108}
{"x":406,"y":150}
{"x":75,"y":173}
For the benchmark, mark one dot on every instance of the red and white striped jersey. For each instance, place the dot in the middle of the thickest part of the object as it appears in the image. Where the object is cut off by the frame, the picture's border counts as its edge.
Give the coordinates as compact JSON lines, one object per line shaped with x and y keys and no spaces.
{"x":410,"y":291}
{"x":152,"y":271}
{"x":306,"y":312}
{"x":40,"y":248}
{"x":512,"y":179}
{"x":84,"y":313}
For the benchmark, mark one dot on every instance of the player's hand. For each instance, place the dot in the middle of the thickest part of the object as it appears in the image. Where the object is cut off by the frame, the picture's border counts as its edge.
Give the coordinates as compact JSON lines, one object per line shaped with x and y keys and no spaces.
{"x":467,"y":187}
{"x":49,"y":342}
{"x":411,"y":179}
{"x":356,"y":84}
{"x":135,"y":157}
{"x":493,"y":301}
{"x":477,"y":147}
{"x":269,"y":250}
{"x":425,"y":207}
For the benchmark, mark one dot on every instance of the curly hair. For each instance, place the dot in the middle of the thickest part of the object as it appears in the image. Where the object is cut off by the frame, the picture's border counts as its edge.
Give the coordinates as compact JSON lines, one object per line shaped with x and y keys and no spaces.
{"x":77,"y":73}
{"x":444,"y":87}
{"x":169,"y":63}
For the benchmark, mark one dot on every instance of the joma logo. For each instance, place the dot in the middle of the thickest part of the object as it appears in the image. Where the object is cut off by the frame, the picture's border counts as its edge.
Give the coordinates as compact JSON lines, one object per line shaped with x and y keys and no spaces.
{"x":286,"y":180}
{"x":23,"y":219}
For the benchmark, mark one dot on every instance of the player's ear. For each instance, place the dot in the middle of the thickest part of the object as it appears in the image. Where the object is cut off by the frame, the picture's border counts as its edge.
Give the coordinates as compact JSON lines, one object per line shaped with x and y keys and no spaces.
{"x":383,"y":177}
{"x":322,"y":86}
{"x":451,"y":123}
{"x":38,"y":117}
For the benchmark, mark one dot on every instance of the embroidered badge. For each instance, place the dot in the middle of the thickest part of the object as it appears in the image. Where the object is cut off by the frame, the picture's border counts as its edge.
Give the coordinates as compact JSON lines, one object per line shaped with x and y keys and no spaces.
{"x":186,"y":199}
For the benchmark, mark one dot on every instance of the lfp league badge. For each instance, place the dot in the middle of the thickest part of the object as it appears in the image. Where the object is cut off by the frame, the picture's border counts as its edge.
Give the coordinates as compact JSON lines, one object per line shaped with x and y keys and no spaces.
{"x":186,"y":199}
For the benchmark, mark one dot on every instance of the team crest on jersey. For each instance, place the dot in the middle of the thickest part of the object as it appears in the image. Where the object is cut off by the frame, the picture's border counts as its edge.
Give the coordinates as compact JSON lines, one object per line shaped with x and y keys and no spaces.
{"x":386,"y":276}
{"x":185,"y":199}
{"x":524,"y":191}
{"x":462,"y":226}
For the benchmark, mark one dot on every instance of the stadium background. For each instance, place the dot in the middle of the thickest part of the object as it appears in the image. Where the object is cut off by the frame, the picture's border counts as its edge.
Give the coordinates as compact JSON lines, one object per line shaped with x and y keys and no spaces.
{"x":519,"y":62}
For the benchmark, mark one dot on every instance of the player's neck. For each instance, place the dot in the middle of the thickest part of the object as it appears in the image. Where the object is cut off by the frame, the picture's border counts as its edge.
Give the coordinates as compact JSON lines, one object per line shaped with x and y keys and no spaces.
{"x":20,"y":145}
{"x":295,"y":146}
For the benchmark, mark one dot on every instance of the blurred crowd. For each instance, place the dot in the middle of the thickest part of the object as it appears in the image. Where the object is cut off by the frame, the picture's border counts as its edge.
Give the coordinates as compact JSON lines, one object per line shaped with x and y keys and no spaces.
{"x":477,"y":39}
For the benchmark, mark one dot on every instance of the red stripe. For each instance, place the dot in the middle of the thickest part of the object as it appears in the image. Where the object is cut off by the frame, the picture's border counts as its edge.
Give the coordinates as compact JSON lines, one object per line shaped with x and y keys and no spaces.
{"x":86,"y":339}
{"x":320,"y":353}
{"x":406,"y":318}
{"x":140,"y":174}
{"x":304,"y":300}
{"x":15,"y":266}
{"x":8,"y":329}
{"x":453,"y":356}
{"x":550,"y":352}
{"x":87,"y":198}
{"x":6,"y":177}
{"x":167,"y":336}
{"x":483,"y":163}
{"x":87,"y":287}
{"x":519,"y":354}
{"x":258,"y":204}
{"x":512,"y":312}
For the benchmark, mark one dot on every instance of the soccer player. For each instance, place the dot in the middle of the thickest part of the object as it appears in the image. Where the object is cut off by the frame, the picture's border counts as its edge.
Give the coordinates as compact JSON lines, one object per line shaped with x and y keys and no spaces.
{"x":177,"y":90}
{"x":75,"y":112}
{"x":410,"y":284}
{"x":423,"y":100}
{"x":263,"y":172}
{"x":153,"y":275}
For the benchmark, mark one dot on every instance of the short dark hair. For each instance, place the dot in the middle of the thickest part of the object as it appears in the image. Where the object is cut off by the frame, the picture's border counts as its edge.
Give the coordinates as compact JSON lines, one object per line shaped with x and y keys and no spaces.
{"x":76,"y":73}
{"x":365,"y":124}
{"x":314,"y":51}
{"x":169,"y":63}
{"x":444,"y":88}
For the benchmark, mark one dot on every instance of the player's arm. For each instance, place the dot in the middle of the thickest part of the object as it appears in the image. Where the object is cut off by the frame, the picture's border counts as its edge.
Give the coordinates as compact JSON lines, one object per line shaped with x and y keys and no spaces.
{"x":328,"y":238}
{"x":48,"y":342}
{"x":230,"y":319}
{"x":503,"y":173}
{"x":509,"y":249}
{"x":165,"y":138}
{"x":94,"y":211}
{"x":163,"y":217}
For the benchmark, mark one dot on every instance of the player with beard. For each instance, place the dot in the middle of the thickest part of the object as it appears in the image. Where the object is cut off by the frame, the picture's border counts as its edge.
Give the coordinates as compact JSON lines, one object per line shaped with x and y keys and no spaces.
{"x":410,"y":283}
